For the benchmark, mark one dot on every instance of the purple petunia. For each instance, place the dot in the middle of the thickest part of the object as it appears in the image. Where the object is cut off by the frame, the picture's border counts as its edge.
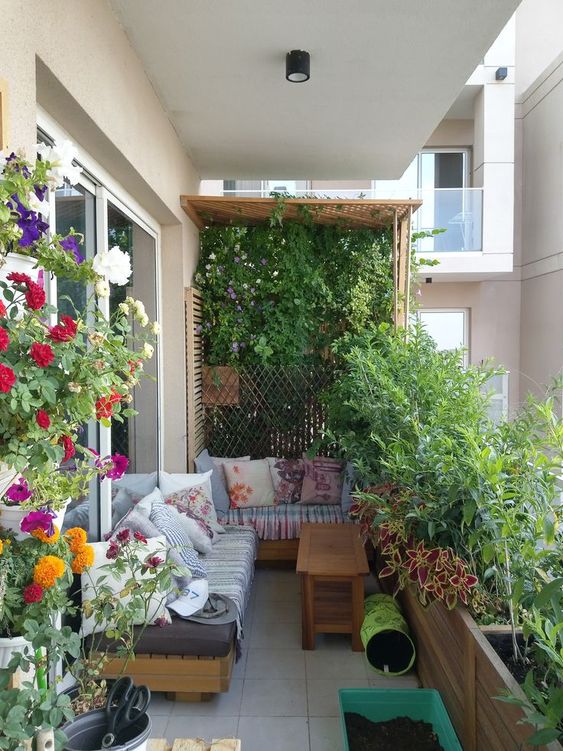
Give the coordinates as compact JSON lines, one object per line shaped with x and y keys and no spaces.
{"x":42,"y":519}
{"x":71,"y":246}
{"x":31,"y":225}
{"x":233,"y":296}
{"x":263,"y":261}
{"x":112,"y":467}
{"x":18,"y":492}
{"x":40,"y":191}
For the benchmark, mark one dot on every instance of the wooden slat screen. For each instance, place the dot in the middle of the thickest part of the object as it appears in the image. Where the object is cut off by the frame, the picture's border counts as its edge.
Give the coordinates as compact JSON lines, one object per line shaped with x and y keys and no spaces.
{"x":194,"y":368}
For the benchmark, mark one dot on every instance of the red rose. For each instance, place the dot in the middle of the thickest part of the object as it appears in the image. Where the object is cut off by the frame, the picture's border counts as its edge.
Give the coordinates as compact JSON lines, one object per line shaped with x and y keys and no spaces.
{"x":104,"y":405}
{"x":68,"y":446}
{"x":63,"y":331}
{"x":3,"y":310}
{"x":7,"y":378}
{"x":42,"y":419}
{"x":140,"y":537}
{"x":42,"y":354}
{"x":4,"y":340}
{"x":35,"y":296}
{"x":33,"y":593}
{"x":18,"y":278}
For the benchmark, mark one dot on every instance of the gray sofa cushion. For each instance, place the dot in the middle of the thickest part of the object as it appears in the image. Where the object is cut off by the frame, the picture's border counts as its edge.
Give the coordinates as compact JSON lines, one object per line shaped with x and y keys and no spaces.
{"x":204,"y":463}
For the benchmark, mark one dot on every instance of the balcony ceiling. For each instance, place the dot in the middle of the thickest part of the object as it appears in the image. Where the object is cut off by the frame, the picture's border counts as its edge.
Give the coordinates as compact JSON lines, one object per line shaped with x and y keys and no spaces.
{"x":383,"y":75}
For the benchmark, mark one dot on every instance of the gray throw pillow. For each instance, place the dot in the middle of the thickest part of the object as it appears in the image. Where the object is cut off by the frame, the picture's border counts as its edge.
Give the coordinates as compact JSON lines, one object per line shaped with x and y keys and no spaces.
{"x":349,"y":480}
{"x":204,"y":463}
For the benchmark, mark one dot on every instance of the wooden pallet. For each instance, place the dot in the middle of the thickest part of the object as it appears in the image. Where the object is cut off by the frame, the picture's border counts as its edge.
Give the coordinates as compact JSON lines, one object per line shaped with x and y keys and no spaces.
{"x":194,"y":744}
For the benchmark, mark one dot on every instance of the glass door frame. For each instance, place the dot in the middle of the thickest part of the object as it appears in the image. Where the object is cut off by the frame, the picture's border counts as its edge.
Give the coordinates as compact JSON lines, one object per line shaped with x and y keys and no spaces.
{"x":106,"y":189}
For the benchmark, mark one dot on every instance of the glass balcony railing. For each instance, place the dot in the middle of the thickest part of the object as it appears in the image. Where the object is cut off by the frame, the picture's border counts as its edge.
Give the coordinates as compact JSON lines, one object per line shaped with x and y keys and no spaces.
{"x":457,"y":211}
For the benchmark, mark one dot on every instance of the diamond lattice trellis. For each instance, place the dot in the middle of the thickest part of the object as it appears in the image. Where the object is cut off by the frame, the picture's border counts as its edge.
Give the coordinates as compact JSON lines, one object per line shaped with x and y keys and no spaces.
{"x":278,"y":412}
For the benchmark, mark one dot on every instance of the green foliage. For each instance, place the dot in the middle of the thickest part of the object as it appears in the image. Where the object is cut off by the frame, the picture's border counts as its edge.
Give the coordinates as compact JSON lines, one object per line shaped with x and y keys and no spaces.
{"x":273,"y":293}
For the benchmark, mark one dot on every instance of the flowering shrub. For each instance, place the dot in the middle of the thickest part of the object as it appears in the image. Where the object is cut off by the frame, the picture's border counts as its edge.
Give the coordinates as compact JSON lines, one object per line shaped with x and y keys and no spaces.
{"x":145,"y":577}
{"x":57,"y":373}
{"x":36,"y":572}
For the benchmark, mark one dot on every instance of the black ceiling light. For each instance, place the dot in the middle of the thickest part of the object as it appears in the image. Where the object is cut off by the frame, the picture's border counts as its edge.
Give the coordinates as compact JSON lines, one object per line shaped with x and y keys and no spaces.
{"x":297,"y":66}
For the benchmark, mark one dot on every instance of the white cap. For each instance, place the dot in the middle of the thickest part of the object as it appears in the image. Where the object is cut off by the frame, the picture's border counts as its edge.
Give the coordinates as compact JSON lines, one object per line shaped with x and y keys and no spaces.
{"x":193,"y":598}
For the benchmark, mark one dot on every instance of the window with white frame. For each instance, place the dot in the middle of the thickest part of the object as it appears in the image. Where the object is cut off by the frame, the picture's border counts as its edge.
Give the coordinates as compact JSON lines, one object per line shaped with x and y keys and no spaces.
{"x":449,"y":327}
{"x":106,"y":216}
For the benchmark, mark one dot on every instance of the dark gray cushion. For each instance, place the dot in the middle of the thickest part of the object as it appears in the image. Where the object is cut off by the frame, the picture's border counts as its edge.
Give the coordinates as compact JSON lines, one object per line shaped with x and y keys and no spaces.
{"x":204,"y":463}
{"x":181,"y":637}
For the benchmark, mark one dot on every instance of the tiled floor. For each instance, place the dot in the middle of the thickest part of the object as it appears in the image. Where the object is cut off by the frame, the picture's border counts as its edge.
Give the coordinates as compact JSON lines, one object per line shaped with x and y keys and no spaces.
{"x":281,"y":698}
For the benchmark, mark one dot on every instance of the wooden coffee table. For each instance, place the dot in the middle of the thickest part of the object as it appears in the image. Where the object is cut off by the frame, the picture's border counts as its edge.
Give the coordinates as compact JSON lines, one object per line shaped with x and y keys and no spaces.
{"x":332,"y":562}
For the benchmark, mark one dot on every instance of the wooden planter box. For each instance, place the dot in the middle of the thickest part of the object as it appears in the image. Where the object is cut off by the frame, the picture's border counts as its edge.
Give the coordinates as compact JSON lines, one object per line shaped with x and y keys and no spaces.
{"x":220,"y":385}
{"x":454,"y":656}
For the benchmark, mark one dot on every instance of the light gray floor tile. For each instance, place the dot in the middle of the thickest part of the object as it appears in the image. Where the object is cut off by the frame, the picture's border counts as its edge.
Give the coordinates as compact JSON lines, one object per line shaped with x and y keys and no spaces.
{"x":286,"y":611}
{"x":325,"y":734}
{"x":274,"y":698}
{"x":274,"y":733}
{"x":160,"y":705}
{"x":221,"y":705}
{"x":276,"y":636}
{"x":239,"y":668}
{"x":334,"y":664}
{"x":322,"y":695}
{"x":275,"y":663}
{"x":334,"y":642}
{"x":198,"y":726}
{"x":159,"y":723}
{"x":393,"y":681}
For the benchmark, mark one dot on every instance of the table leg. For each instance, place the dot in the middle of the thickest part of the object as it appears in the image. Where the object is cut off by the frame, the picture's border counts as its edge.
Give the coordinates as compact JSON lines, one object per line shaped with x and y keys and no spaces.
{"x":308,"y":612}
{"x":357,"y":612}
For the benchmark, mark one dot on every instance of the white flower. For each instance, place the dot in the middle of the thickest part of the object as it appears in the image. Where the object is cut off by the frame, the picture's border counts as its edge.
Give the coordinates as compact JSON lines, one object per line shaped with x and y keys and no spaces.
{"x":40,"y":207}
{"x":275,"y":273}
{"x":60,"y":157}
{"x":139,"y":308}
{"x":208,"y":266}
{"x":102,"y":288}
{"x":76,"y":388}
{"x":212,"y":256}
{"x":148,"y":350}
{"x":155,"y":328}
{"x":124,"y":308}
{"x":3,"y":160}
{"x":114,"y":265}
{"x":143,"y":320}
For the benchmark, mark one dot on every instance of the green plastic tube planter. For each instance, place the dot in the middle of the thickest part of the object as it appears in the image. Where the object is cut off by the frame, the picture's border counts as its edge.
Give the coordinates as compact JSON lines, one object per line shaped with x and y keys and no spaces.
{"x":385,"y":636}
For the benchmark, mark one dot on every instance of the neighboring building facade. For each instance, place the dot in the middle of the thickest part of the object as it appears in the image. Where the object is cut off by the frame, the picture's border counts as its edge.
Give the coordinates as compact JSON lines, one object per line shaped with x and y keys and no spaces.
{"x":491,"y":174}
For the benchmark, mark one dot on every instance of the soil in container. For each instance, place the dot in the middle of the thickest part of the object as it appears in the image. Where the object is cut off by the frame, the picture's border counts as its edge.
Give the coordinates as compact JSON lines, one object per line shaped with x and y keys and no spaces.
{"x":502,"y":644}
{"x":390,"y":735}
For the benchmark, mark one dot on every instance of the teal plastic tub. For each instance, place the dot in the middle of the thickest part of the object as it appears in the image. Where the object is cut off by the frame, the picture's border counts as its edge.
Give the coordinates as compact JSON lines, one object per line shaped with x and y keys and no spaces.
{"x":381,"y":704}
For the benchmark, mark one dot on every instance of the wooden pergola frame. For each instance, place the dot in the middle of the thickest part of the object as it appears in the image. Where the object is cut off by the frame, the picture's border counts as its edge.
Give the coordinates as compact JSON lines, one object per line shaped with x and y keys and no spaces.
{"x":356,"y":213}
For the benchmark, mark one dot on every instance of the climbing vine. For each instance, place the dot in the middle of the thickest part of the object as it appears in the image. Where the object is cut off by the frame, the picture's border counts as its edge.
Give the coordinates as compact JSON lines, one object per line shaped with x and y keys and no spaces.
{"x":276,"y":293}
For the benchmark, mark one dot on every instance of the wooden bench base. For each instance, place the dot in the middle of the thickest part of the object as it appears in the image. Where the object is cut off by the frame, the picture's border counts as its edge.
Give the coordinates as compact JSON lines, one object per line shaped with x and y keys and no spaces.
{"x":277,"y":551}
{"x":181,"y":677}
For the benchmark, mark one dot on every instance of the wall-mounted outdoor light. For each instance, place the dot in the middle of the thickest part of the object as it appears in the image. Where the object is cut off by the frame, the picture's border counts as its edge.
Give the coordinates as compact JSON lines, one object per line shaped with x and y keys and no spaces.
{"x":297,"y":66}
{"x":501,"y":74}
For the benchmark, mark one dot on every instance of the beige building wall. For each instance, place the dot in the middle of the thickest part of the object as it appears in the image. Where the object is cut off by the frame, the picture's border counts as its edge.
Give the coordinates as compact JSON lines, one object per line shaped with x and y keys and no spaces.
{"x":74,"y":60}
{"x":494,"y":317}
{"x":540,"y":230}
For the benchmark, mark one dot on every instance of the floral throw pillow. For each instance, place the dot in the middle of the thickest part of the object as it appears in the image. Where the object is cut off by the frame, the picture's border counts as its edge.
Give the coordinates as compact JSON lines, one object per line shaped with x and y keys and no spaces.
{"x":322,"y":482}
{"x":194,"y":504}
{"x":287,"y":477}
{"x":249,"y":483}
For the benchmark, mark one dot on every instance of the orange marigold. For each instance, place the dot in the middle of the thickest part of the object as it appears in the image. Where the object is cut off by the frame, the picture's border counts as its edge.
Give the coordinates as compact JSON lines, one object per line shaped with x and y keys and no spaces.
{"x":76,"y":538}
{"x":44,"y":537}
{"x":1,"y":547}
{"x":84,"y":559}
{"x":47,"y":570}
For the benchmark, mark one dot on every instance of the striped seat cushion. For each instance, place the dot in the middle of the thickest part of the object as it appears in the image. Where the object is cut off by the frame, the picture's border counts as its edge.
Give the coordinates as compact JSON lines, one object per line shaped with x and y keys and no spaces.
{"x":283,"y":522}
